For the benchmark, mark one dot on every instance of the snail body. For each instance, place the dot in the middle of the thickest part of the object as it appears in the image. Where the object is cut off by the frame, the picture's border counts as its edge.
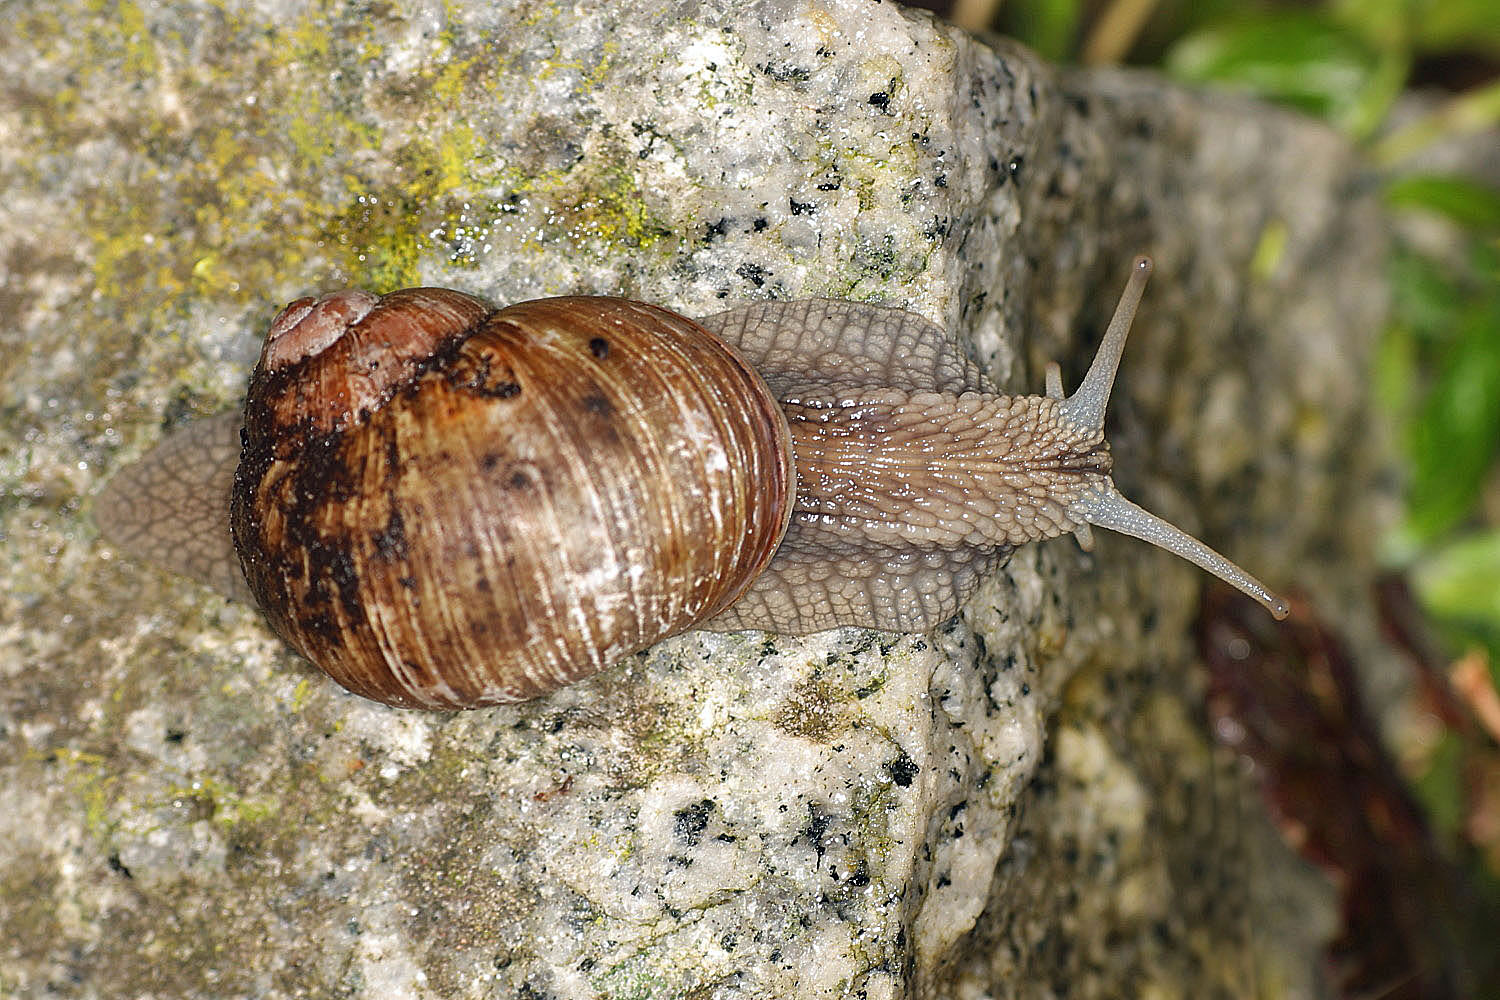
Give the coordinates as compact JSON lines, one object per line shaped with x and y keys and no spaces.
{"x":446,"y":505}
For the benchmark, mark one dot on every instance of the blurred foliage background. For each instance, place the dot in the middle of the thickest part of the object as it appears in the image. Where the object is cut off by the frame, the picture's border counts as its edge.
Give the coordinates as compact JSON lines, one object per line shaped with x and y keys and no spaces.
{"x":1411,"y":82}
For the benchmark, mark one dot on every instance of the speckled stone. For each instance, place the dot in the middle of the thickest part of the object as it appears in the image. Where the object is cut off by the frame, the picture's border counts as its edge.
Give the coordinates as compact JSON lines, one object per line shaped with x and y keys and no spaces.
{"x":191,"y":811}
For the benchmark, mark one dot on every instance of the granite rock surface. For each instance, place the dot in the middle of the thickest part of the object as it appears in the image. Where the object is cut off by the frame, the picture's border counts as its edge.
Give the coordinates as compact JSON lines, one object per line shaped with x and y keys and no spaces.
{"x":1022,"y":804}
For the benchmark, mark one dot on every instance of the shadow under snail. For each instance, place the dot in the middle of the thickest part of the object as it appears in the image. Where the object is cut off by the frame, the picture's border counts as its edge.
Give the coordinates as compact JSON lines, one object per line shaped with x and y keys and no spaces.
{"x":447,"y":505}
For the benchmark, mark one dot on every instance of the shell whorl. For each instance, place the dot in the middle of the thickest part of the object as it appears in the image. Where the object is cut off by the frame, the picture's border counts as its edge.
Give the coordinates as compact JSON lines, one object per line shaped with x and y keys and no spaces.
{"x":446,"y":505}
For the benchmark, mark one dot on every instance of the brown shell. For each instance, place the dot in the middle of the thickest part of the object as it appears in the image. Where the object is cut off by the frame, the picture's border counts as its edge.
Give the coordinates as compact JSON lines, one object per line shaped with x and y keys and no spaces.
{"x":448,"y":506}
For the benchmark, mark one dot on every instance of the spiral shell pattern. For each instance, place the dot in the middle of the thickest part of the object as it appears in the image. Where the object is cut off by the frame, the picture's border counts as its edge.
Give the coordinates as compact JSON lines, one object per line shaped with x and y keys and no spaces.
{"x":448,"y":506}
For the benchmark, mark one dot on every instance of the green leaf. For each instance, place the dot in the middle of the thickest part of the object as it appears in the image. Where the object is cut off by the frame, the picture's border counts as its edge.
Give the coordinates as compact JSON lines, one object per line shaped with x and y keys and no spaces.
{"x":1298,"y":57}
{"x":1369,"y":107}
{"x":1456,"y":435}
{"x":1048,"y":26}
{"x":1423,"y":25}
{"x":1385,"y":24}
{"x":1464,"y":201}
{"x":1461,"y":581}
{"x":1425,"y":296}
{"x":1470,"y":113}
{"x":1461,"y":24}
{"x":1394,"y":373}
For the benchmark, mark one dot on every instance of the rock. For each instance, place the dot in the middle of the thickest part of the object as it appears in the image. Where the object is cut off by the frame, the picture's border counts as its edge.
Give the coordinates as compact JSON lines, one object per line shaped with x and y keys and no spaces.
{"x":193,"y":811}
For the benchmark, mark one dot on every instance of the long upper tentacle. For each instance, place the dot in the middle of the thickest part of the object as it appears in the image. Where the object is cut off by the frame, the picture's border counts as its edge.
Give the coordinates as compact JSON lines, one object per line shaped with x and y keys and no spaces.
{"x":1105,"y":506}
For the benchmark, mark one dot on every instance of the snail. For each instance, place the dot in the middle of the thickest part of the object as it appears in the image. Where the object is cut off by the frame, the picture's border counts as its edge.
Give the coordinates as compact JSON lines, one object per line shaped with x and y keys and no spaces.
{"x":447,"y":505}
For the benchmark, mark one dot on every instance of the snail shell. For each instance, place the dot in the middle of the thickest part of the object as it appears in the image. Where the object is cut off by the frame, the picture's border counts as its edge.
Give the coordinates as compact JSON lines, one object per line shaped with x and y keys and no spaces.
{"x":445,"y":505}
